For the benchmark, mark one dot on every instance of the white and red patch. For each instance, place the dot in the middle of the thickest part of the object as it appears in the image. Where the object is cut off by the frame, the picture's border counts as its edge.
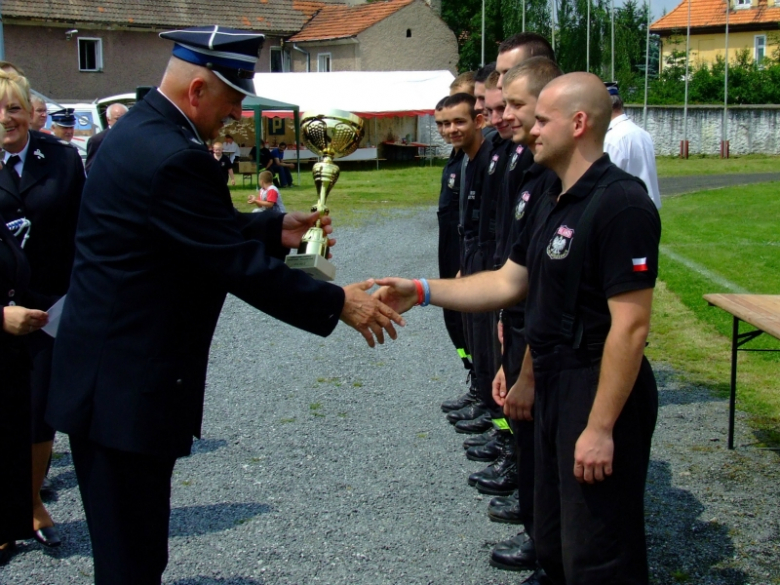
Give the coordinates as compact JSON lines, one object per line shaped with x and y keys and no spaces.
{"x":640,"y":264}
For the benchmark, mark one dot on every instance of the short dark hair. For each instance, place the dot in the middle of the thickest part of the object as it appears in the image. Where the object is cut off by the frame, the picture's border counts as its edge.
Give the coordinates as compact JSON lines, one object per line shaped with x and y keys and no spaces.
{"x":534,"y":43}
{"x":440,"y":105}
{"x":228,"y":136}
{"x":539,"y":70}
{"x":617,"y":103}
{"x":282,"y":144}
{"x":462,"y":98}
{"x":484,"y":72}
{"x":492,"y":81}
{"x":464,"y":80}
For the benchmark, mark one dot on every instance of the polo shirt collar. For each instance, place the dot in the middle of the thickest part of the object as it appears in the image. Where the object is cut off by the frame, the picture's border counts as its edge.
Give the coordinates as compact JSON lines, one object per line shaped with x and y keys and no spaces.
{"x":588,"y":181}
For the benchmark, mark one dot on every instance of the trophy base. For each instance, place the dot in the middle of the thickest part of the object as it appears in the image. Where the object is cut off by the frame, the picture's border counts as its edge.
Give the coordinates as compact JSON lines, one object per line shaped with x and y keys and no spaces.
{"x":312,"y":264}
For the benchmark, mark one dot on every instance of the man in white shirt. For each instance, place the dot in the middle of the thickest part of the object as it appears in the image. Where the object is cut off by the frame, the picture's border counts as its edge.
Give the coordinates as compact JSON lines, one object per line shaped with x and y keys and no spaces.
{"x":630,"y":147}
{"x":230,"y":148}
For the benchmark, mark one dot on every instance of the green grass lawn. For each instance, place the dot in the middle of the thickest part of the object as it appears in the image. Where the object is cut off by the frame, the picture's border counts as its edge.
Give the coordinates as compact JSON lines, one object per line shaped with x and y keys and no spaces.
{"x":719,"y":241}
{"x":712,"y":165}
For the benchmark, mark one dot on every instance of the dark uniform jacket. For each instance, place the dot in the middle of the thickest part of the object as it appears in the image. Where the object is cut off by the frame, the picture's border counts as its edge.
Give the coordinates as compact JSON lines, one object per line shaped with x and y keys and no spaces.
{"x":159,"y":246}
{"x":49,"y":195}
{"x":447,"y":214}
{"x":93,"y":144}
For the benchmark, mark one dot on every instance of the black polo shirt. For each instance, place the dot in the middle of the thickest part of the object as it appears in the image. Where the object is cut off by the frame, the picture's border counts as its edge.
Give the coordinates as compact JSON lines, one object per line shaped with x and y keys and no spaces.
{"x":491,"y":190}
{"x":450,"y":184}
{"x":621,"y":252}
{"x":519,"y":160}
{"x":476,"y":170}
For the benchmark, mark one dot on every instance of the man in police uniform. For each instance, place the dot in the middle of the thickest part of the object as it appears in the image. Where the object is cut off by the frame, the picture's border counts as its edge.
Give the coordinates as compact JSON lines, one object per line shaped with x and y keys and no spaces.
{"x":596,"y":400}
{"x":159,"y":245}
{"x":63,"y":124}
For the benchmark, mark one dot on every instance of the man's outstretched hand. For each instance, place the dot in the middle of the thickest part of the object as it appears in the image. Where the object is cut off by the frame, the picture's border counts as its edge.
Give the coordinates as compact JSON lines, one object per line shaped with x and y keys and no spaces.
{"x":368,"y":314}
{"x":296,"y":224}
{"x":399,"y":294}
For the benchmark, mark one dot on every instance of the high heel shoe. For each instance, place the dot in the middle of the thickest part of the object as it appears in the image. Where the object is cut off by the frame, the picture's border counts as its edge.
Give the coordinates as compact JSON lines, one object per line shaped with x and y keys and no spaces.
{"x":48,"y":536}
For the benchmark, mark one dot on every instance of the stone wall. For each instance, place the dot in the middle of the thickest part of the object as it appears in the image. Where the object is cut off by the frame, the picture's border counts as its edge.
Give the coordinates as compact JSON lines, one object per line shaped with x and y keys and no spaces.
{"x":751,"y":129}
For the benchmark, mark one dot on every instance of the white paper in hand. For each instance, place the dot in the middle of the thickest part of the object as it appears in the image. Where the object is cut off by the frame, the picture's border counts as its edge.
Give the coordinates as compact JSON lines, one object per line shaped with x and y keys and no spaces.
{"x":55,"y":312}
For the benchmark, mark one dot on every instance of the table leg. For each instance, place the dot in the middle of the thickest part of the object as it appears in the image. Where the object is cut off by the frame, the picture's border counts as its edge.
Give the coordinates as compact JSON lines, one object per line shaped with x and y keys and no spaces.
{"x":733,"y":397}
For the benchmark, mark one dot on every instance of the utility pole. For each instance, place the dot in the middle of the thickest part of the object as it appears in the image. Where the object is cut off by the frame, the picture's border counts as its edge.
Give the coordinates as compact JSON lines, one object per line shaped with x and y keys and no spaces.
{"x":482,"y":59}
{"x":587,"y":49}
{"x":724,"y":143}
{"x":647,"y":66}
{"x":612,"y":44}
{"x":684,"y":145}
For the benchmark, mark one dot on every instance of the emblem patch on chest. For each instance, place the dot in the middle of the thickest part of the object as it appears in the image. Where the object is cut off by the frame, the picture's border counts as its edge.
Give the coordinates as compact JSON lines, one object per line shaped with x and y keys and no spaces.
{"x":521,"y":205}
{"x":559,"y":246}
{"x":515,"y":158}
{"x":451,"y":182}
{"x":493,"y":163}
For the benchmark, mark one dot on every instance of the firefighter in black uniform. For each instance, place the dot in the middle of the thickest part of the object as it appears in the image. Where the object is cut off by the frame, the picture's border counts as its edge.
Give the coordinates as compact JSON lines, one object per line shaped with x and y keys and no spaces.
{"x":587,"y":260}
{"x":449,"y":250}
{"x":158,"y":247}
{"x":525,"y":182}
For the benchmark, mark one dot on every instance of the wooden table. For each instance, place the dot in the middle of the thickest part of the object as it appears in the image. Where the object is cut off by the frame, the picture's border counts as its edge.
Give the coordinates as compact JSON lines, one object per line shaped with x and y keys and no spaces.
{"x":760,"y":311}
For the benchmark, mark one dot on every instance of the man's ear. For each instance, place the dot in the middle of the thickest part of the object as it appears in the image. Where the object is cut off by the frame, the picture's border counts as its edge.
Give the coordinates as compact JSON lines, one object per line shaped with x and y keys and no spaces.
{"x":196,"y":91}
{"x":579,"y":124}
{"x":479,"y":121}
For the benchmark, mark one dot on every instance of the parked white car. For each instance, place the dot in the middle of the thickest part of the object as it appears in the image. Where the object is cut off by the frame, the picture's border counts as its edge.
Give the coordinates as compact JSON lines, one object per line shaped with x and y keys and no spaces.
{"x":90,"y":117}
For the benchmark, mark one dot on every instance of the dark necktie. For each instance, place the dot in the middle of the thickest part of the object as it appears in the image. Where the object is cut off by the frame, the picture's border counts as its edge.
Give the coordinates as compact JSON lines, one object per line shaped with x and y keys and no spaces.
{"x":10,"y":166}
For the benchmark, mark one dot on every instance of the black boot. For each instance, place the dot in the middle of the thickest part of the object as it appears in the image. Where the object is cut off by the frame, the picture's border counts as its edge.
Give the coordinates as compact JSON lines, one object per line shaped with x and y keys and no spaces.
{"x":515,"y":554}
{"x":499,"y":478}
{"x":461,"y":401}
{"x":474,"y":426}
{"x":490,"y":450}
{"x":539,"y":577}
{"x":482,"y":439}
{"x":505,"y":509}
{"x":468,"y":412}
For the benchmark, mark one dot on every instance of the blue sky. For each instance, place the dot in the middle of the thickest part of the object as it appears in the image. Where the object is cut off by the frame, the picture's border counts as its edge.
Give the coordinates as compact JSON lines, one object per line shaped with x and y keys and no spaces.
{"x":657,"y":6}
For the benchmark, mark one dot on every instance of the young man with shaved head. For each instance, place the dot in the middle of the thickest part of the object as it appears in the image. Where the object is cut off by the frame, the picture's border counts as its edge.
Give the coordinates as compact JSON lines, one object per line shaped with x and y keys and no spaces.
{"x":587,"y":262}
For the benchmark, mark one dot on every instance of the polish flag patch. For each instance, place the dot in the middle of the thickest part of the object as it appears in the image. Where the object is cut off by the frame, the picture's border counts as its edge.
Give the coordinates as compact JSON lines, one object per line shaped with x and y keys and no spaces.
{"x":640,"y":264}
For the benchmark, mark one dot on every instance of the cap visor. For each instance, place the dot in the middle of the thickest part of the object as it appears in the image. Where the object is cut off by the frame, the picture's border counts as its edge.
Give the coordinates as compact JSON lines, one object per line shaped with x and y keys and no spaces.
{"x":245,"y":86}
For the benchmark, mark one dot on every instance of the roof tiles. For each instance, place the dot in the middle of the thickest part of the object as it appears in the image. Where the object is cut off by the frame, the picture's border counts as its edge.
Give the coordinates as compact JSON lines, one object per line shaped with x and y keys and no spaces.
{"x":338,"y":21}
{"x":266,"y":15}
{"x":712,"y":13}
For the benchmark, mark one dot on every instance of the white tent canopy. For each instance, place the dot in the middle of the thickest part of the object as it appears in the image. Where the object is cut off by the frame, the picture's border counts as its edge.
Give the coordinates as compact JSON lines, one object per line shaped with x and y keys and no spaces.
{"x":365,"y":93}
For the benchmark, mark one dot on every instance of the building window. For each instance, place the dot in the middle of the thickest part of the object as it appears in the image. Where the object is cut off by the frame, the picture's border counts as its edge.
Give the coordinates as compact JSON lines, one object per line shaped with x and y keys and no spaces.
{"x":90,"y":54}
{"x":760,"y":48}
{"x":408,"y":33}
{"x":277,"y":60}
{"x":742,"y":3}
{"x":323,"y":62}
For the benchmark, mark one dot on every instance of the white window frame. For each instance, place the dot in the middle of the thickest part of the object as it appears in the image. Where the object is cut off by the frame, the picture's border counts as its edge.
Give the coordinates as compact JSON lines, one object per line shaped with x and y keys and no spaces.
{"x":330,"y":62}
{"x":98,"y":53}
{"x":755,"y":48}
{"x":739,"y":4}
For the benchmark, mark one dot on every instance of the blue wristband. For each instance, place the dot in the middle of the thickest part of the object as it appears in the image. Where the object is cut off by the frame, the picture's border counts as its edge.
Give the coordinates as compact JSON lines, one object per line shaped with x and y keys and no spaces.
{"x":427,"y":290}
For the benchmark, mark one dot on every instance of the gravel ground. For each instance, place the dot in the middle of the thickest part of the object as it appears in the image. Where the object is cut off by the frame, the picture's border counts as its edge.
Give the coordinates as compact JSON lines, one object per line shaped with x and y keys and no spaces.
{"x":324,"y":461}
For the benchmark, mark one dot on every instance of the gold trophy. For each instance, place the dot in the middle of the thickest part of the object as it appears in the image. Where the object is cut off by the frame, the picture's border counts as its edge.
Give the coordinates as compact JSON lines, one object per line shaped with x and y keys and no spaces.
{"x":330,"y":134}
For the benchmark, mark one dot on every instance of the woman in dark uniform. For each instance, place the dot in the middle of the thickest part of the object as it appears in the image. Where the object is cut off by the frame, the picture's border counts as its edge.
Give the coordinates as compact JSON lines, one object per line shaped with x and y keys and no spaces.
{"x":16,"y":507}
{"x":41,"y":180}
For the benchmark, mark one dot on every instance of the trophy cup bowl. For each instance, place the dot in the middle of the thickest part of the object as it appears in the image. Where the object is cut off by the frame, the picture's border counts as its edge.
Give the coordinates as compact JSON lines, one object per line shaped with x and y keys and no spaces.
{"x":329,"y":134}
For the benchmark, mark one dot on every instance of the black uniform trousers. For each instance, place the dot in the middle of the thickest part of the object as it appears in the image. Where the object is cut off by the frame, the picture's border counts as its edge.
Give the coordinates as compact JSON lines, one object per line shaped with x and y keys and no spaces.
{"x":588,"y":534}
{"x":126,"y":500}
{"x":522,"y":430}
{"x":480,"y":327}
{"x":449,"y":264}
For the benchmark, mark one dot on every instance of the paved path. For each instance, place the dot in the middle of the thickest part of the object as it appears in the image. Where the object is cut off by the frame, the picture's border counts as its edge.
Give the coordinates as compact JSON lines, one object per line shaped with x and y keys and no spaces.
{"x":678,"y":185}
